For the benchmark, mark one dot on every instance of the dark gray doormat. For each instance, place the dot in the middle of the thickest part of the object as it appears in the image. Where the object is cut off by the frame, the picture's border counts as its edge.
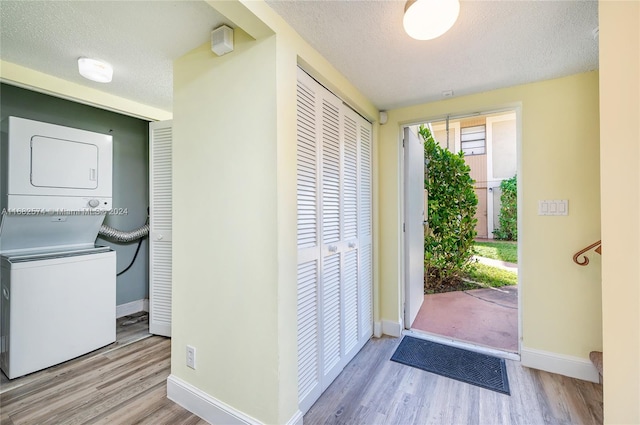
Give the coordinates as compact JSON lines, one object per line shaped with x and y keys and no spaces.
{"x":467,"y":366}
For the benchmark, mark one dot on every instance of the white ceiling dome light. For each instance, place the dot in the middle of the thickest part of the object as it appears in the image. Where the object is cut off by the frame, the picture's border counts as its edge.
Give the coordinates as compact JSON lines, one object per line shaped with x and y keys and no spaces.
{"x":429,"y":19}
{"x":95,"y":70}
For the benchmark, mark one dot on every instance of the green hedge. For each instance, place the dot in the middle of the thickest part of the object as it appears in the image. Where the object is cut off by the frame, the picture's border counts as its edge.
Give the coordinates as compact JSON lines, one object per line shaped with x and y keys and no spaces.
{"x":452,"y":205}
{"x":508,"y":217}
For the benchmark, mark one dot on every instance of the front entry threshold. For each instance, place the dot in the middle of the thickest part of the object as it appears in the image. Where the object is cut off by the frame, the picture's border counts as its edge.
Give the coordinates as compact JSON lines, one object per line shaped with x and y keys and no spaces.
{"x":461,"y":344}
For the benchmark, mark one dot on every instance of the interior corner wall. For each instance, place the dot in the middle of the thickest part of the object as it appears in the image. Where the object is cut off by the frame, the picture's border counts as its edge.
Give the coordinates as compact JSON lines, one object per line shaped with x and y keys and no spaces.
{"x":558,"y":159}
{"x":620,"y":186}
{"x":228,"y":95}
{"x":130,"y":171}
{"x":225,"y":225}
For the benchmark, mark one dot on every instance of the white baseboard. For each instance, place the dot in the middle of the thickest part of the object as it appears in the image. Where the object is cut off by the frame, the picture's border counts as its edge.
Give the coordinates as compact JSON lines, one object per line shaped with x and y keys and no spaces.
{"x":210,"y":409}
{"x":391,"y":328}
{"x":132,"y":307}
{"x":296,"y":419}
{"x":377,"y":329}
{"x":574,"y":367}
{"x":202,"y":404}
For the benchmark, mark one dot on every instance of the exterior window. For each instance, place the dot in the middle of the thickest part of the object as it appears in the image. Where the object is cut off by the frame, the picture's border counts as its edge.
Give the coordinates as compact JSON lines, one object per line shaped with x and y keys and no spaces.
{"x":473,"y":140}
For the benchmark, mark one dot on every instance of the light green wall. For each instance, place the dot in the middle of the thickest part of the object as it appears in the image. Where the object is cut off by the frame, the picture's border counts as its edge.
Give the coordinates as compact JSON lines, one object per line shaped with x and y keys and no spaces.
{"x":620,"y":169}
{"x":559,"y":157}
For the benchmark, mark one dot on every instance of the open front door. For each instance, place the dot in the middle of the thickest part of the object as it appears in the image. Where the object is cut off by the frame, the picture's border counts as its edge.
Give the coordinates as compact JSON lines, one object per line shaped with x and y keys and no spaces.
{"x":414,"y":228}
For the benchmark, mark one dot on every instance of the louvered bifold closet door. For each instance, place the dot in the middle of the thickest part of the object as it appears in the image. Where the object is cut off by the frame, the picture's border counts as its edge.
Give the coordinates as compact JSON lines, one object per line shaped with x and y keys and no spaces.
{"x":365,"y":239}
{"x":332,"y":316}
{"x":331,"y":231}
{"x":160,"y":216}
{"x":350,"y":231}
{"x":308,"y":190}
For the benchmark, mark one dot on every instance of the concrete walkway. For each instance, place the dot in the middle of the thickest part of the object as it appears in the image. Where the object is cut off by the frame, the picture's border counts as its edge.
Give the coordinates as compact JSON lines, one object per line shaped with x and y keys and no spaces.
{"x":487,"y":316}
{"x":497,"y":263}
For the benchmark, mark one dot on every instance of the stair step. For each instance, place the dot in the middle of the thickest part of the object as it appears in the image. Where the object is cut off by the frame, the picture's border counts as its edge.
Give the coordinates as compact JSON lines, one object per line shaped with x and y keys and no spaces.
{"x":596,"y":359}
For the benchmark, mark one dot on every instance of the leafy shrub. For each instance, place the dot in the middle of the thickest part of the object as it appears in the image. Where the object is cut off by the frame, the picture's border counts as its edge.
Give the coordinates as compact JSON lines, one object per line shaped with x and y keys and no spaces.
{"x":508,"y":217}
{"x":452,"y":205}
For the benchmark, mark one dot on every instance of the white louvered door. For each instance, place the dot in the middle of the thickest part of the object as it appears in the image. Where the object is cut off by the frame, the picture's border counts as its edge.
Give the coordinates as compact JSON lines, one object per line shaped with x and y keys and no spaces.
{"x":334,"y":237}
{"x":160,"y":141}
{"x":365,"y":226}
{"x":308,"y":190}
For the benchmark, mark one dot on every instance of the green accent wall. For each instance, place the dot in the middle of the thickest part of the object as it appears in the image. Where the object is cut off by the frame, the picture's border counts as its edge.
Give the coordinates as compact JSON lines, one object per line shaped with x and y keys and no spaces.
{"x":130,"y":171}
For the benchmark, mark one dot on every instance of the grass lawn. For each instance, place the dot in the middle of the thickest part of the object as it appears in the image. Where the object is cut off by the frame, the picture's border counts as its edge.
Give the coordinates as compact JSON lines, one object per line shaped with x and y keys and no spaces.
{"x":491,"y":276}
{"x":498,"y":250}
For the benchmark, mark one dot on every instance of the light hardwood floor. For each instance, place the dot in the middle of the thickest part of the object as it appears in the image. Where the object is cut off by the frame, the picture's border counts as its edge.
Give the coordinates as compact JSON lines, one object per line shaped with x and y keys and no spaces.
{"x":125,"y":383}
{"x":374,"y":390}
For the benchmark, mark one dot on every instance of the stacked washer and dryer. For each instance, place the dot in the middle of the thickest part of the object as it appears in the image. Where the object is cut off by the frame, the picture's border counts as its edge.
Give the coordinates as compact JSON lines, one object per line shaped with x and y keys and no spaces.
{"x":58,"y":288}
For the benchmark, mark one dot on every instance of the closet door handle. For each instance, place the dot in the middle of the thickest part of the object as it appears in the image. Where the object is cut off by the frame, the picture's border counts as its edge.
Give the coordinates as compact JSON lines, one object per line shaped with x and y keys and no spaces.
{"x":333,"y":248}
{"x":352,"y":244}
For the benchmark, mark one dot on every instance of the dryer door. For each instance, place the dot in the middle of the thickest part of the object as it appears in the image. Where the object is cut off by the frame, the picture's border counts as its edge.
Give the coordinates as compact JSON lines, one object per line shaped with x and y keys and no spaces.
{"x":63,"y":163}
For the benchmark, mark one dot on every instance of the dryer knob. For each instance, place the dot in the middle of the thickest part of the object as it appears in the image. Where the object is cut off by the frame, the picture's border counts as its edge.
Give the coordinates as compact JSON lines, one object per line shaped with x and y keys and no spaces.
{"x":94,"y":203}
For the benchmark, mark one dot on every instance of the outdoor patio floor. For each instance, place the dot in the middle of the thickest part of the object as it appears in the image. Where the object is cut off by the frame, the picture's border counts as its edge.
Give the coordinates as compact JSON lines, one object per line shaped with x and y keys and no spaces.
{"x":487,"y":317}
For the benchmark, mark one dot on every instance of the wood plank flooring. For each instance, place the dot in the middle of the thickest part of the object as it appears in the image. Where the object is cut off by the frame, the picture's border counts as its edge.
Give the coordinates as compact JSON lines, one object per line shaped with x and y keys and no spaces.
{"x":374,"y":390}
{"x":125,"y":383}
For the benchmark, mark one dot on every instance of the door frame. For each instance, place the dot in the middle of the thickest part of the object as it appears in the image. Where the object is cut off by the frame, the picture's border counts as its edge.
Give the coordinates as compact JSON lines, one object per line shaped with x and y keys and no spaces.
{"x":517,"y":108}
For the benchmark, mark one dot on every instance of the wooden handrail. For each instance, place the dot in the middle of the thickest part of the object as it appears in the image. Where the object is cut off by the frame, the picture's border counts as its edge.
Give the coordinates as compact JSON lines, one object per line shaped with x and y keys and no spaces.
{"x":585,"y":259}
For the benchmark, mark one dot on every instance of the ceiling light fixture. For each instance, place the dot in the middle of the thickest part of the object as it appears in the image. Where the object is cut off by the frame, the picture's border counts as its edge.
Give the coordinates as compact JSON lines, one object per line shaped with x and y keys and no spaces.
{"x":429,"y":19}
{"x":95,"y":70}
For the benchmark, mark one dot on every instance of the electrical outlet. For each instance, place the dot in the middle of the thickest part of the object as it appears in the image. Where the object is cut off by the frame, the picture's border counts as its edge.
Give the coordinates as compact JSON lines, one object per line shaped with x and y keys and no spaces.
{"x":191,"y":357}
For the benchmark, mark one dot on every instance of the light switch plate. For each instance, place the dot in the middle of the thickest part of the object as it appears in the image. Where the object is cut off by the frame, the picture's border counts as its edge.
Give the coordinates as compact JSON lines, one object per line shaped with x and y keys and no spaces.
{"x":553,"y":207}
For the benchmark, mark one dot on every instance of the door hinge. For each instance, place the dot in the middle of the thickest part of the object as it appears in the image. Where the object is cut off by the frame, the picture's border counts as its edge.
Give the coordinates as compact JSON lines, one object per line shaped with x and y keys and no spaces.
{"x":403,"y":227}
{"x":403,"y":143}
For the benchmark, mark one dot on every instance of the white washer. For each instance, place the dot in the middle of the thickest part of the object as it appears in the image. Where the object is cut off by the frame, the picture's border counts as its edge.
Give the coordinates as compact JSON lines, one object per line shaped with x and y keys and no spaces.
{"x":55,"y":306}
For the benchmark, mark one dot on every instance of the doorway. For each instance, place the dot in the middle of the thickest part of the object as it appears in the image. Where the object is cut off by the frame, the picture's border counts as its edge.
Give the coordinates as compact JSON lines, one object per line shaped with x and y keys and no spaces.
{"x":485,"y":315}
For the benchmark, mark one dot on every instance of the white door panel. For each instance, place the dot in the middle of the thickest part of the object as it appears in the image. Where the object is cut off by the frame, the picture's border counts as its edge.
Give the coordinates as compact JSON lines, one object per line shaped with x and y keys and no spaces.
{"x":160,"y":218}
{"x":414,"y":228}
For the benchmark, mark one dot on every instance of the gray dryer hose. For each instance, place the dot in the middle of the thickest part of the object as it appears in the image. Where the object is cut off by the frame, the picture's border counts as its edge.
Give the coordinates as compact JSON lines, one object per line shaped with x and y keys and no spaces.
{"x":121,"y":236}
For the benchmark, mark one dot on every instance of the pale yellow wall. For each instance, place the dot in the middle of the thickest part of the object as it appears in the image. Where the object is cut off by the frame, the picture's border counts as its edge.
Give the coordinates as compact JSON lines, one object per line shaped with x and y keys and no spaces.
{"x":235,"y":211}
{"x":559,"y":160}
{"x":225,"y":240}
{"x":28,"y":78}
{"x":620,"y":169}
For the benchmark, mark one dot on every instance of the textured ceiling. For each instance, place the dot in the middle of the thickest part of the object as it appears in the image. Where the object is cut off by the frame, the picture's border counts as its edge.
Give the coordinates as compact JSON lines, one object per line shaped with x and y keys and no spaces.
{"x":140,"y":39}
{"x":493,"y":44}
